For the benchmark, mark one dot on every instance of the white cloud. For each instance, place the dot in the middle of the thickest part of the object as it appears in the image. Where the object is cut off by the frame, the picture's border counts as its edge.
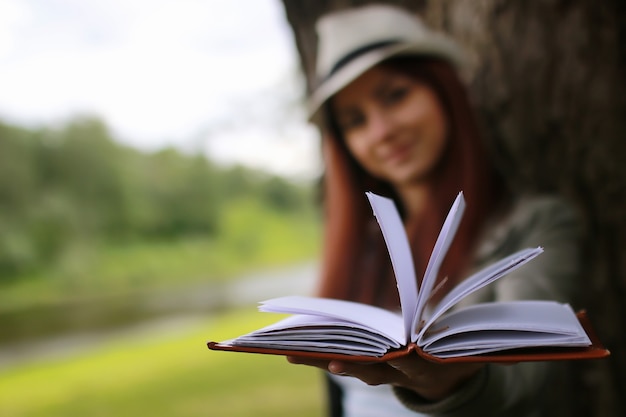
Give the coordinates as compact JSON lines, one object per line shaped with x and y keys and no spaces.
{"x":292,"y":154}
{"x":12,"y":14}
{"x":158,"y":71}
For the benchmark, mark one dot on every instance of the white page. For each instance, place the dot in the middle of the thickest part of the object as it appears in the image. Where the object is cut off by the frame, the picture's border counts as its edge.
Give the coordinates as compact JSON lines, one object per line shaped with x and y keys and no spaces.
{"x":401,"y":257}
{"x":481,"y":279}
{"x":345,"y":348}
{"x":500,"y":340}
{"x":524,"y":316}
{"x":356,"y":346}
{"x":310,"y":327}
{"x":383,"y":321}
{"x":445,"y":238}
{"x":317,"y":334}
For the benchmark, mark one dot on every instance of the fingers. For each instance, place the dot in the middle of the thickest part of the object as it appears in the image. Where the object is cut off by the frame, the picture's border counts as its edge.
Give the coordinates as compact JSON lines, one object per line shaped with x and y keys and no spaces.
{"x":413,"y":367}
{"x":318,"y":363}
{"x":431,"y":380}
{"x":413,"y":363}
{"x":371,"y":374}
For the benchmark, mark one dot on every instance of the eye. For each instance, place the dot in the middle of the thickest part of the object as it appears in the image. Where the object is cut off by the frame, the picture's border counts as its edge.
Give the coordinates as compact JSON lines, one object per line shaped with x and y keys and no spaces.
{"x":394,"y":94}
{"x":350,"y":121}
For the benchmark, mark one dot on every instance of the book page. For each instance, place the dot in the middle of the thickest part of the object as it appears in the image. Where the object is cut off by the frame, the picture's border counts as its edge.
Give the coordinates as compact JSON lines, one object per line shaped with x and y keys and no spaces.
{"x":504,"y":325}
{"x":305,"y":327}
{"x":401,"y":257}
{"x":479,"y":280}
{"x":445,"y":238}
{"x":320,"y":334}
{"x":378,"y":319}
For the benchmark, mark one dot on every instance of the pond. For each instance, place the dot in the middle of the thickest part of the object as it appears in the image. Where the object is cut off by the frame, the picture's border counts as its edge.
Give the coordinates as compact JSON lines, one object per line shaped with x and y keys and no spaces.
{"x":62,"y":330}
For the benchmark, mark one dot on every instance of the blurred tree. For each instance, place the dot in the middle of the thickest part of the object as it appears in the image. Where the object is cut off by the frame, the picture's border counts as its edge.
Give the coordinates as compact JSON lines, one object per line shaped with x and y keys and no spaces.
{"x":72,"y":186}
{"x":281,"y":195}
{"x":237,"y":181}
{"x":182,"y":194}
{"x":17,"y":186}
{"x":17,"y":167}
{"x":547,"y":78}
{"x":81,"y":163}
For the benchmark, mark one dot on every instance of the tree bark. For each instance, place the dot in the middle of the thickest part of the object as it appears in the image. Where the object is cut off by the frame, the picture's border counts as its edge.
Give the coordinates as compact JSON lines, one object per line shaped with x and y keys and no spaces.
{"x":547,"y":79}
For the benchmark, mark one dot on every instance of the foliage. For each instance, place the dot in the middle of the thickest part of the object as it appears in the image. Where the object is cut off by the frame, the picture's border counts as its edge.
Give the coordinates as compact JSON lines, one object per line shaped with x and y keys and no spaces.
{"x":251,"y":241}
{"x":66,"y":189}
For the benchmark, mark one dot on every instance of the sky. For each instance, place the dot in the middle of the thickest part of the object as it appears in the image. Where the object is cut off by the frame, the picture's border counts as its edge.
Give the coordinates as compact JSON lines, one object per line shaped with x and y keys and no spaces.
{"x":216,"y":76}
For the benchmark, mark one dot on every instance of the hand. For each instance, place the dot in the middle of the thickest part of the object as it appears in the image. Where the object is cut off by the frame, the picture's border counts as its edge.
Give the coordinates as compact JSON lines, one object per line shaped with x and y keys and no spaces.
{"x":432,"y":381}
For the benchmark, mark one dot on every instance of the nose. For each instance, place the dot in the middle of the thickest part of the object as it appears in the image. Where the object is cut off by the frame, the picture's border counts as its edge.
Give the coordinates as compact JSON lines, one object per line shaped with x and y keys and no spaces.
{"x":379,"y":126}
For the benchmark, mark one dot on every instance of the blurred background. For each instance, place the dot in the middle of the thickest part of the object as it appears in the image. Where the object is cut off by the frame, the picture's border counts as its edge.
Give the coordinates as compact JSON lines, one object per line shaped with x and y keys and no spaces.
{"x":157,"y":179}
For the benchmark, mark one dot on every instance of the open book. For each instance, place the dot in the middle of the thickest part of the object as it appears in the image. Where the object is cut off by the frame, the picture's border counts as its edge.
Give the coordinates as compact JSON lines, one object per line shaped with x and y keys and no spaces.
{"x":495,"y":332}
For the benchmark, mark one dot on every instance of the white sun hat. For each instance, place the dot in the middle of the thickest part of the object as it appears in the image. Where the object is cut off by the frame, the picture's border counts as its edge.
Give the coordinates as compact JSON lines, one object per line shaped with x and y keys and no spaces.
{"x":354,"y":40}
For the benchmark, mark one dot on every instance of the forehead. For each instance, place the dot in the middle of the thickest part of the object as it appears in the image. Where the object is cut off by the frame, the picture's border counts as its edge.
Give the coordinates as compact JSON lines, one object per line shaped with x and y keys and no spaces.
{"x":368,"y":85}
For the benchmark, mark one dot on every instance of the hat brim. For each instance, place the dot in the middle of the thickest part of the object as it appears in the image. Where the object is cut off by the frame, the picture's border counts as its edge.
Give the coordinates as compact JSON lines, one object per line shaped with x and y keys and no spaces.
{"x":439,"y":47}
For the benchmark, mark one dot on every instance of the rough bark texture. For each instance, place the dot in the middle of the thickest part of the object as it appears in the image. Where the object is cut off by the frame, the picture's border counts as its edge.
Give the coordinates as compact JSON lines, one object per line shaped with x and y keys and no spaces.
{"x":547,"y":77}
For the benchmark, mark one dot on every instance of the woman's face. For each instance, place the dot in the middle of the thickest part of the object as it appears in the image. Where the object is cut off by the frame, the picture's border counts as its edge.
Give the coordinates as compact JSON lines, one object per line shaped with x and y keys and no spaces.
{"x":393,"y":125}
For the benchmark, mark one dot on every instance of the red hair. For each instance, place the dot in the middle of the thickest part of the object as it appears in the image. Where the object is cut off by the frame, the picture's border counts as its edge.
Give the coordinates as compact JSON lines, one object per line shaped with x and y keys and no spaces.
{"x":355,"y":261}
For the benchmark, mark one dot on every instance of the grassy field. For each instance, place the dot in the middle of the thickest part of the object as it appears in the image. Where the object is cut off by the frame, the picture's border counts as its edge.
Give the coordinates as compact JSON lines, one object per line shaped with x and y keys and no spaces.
{"x":162,"y":372}
{"x":250,"y":241}
{"x":165,"y":374}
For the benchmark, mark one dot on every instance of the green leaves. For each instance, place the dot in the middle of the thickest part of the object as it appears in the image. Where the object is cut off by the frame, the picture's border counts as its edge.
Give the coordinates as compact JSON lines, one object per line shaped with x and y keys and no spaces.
{"x":75,"y":185}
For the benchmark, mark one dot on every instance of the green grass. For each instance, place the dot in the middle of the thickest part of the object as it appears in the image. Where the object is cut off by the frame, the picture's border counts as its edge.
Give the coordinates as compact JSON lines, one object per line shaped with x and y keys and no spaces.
{"x":165,"y":374}
{"x":251,"y":239}
{"x":169,"y":373}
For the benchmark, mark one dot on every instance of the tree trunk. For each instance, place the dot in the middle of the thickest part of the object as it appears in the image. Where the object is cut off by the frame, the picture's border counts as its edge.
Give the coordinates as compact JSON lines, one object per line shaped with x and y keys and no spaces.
{"x":547,"y":78}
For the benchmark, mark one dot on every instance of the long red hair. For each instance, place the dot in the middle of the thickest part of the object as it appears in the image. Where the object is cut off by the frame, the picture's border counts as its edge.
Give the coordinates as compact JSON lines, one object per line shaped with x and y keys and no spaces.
{"x":356,"y":265}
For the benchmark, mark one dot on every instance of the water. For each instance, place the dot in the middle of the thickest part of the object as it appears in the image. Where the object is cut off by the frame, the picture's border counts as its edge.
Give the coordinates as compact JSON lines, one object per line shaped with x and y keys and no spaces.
{"x":161,"y":313}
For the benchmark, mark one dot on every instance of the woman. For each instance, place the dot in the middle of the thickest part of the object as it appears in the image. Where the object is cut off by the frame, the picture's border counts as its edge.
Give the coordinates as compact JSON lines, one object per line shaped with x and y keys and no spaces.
{"x":397,"y":121}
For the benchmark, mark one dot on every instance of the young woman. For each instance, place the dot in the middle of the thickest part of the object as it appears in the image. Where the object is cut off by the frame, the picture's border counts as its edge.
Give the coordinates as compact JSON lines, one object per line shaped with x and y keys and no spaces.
{"x":397,"y":121}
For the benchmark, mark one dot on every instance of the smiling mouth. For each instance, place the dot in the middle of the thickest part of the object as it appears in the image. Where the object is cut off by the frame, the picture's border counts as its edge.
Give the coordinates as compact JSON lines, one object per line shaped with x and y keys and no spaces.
{"x":398,"y":154}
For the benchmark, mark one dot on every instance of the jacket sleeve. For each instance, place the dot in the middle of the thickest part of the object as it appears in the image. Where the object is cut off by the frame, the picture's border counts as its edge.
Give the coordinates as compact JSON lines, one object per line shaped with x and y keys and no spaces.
{"x":529,"y":388}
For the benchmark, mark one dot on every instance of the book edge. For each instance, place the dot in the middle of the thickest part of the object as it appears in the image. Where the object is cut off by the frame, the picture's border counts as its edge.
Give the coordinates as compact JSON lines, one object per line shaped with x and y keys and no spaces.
{"x":595,"y":351}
